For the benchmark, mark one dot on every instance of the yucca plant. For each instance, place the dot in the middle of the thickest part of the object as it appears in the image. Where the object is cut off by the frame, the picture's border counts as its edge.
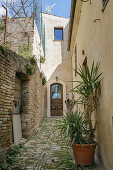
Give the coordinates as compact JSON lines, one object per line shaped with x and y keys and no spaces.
{"x":88,"y":89}
{"x":72,"y":126}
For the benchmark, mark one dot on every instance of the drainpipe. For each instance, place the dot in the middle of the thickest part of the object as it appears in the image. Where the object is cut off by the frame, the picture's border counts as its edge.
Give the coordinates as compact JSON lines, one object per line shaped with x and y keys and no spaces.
{"x":6,"y":19}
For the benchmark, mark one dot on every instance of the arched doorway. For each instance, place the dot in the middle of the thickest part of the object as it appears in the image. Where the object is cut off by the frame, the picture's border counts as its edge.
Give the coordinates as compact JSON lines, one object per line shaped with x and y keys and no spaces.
{"x":56,"y":99}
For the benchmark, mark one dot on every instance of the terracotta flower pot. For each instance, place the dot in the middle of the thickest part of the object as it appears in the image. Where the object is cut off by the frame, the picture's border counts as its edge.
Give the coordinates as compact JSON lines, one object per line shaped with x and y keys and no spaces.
{"x":84,"y":154}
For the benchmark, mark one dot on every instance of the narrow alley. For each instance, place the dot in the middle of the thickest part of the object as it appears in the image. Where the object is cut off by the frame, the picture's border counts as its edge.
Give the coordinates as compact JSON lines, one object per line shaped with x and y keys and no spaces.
{"x":47,"y":150}
{"x":56,"y":92}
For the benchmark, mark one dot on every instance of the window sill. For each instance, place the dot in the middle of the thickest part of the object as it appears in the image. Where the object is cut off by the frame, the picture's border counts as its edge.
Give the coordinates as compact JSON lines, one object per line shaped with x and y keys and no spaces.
{"x":58,"y":40}
{"x":104,"y":6}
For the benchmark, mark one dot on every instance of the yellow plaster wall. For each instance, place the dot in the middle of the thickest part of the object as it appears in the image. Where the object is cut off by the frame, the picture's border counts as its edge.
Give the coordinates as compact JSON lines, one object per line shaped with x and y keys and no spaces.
{"x":95,"y":37}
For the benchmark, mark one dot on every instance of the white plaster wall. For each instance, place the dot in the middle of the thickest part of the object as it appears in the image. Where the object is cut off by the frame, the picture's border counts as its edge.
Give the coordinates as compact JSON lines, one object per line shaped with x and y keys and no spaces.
{"x":58,"y":59}
{"x":55,"y":51}
{"x":37,"y":48}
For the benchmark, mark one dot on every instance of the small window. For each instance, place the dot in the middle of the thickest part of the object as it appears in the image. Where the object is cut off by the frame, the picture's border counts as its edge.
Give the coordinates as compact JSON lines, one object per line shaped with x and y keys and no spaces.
{"x":58,"y":33}
{"x":75,"y":61}
{"x":104,"y":3}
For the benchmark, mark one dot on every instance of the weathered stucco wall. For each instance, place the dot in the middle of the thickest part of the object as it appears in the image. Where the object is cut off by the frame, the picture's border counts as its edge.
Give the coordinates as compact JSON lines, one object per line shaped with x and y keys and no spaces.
{"x":31,"y":111}
{"x":58,"y":60}
{"x":94,"y":36}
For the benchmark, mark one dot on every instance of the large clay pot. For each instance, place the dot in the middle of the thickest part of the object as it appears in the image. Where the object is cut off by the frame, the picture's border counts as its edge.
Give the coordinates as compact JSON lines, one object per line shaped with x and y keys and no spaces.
{"x":84,"y":154}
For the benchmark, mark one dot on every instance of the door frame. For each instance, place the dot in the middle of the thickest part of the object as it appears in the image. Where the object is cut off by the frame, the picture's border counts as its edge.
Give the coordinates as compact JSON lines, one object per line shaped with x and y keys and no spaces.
{"x":48,"y":96}
{"x":57,"y":98}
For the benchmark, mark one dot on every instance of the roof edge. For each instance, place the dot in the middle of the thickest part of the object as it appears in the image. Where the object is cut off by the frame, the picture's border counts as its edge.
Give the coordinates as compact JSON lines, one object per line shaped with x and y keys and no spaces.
{"x":73,"y":6}
{"x":55,"y":15}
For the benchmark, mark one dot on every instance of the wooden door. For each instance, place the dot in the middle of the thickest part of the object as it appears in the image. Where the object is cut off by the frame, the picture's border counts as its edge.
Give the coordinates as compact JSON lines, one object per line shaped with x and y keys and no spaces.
{"x":56,"y":98}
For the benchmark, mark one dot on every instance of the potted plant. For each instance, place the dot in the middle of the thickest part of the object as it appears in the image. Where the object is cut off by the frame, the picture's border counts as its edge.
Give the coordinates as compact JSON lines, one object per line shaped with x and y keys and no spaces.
{"x":79,"y":126}
{"x":88,"y":89}
{"x":72,"y":126}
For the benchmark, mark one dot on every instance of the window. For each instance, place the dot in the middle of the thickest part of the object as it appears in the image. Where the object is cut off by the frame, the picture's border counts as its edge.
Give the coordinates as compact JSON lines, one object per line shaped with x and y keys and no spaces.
{"x":75,"y":61}
{"x":104,"y":3}
{"x":56,"y":91}
{"x":58,"y":33}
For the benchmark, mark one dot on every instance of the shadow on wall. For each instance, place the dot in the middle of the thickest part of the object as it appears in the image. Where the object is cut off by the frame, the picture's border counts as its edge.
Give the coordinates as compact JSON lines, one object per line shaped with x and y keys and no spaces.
{"x":64,"y":43}
{"x":63,"y":71}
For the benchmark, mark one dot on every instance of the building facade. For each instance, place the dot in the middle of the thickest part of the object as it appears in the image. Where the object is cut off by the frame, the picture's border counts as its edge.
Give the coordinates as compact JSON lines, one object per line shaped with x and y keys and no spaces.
{"x":90,"y":39}
{"x":57,"y":67}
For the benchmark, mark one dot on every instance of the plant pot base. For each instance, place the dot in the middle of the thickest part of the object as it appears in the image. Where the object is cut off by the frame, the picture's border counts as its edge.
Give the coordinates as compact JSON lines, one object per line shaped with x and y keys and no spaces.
{"x":84,"y":154}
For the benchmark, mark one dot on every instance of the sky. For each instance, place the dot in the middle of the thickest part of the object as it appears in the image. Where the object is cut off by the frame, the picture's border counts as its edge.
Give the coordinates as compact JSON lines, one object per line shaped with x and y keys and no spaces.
{"x":2,"y":10}
{"x":17,"y":6}
{"x":61,"y":8}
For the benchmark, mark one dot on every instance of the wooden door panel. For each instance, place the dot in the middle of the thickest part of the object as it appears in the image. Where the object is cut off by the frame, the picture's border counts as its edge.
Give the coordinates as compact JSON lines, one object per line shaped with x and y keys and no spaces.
{"x":59,"y":102}
{"x":59,"y":113}
{"x":54,"y":107}
{"x":56,"y":99}
{"x":59,"y":107}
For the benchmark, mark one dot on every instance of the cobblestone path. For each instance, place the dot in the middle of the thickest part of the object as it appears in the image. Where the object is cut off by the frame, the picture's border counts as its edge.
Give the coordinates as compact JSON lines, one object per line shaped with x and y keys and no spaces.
{"x":47,"y":150}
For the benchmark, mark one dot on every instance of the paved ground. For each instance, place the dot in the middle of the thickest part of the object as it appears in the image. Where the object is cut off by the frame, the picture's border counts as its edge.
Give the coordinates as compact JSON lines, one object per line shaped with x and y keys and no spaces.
{"x":47,"y":150}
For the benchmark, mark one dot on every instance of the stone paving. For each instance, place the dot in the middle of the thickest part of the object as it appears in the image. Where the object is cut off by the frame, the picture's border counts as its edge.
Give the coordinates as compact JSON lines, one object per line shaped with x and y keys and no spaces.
{"x":48,"y":150}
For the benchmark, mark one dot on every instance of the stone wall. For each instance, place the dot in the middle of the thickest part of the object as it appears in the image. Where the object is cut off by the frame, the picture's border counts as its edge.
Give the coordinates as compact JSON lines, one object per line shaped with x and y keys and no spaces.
{"x":32,"y":97}
{"x":22,"y":31}
{"x":7,"y":82}
{"x":19,"y":31}
{"x":32,"y":113}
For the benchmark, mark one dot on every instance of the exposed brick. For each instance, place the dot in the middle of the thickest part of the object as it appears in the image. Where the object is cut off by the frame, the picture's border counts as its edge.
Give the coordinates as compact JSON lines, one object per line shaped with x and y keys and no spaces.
{"x":32,"y":98}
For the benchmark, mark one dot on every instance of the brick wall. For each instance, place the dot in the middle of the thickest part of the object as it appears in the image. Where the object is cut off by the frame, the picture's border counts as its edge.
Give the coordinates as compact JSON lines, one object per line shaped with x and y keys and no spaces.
{"x":32,"y":97}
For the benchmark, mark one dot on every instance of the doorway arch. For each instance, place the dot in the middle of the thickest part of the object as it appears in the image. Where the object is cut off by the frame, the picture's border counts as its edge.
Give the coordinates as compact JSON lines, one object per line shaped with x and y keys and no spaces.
{"x":49,"y":85}
{"x":56,"y":99}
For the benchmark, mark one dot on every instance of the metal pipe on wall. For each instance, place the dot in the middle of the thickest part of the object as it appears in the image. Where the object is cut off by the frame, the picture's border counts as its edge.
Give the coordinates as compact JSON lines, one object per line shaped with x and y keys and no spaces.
{"x":6,"y":19}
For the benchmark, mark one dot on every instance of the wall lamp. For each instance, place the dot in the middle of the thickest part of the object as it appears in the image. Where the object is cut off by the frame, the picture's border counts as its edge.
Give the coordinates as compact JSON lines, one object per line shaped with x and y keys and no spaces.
{"x":56,"y":78}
